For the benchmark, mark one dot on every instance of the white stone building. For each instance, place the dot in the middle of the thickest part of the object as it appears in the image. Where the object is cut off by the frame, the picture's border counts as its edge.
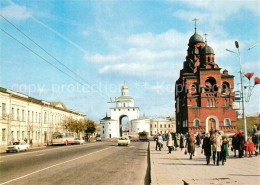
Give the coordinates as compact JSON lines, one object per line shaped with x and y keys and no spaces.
{"x":23,"y":117}
{"x":140,"y":125}
{"x":124,"y":107}
{"x":162,"y":125}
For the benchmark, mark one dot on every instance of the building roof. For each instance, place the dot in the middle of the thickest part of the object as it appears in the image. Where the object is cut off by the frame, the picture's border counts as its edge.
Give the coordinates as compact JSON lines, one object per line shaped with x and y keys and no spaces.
{"x":57,"y":105}
{"x":207,"y":50}
{"x":124,"y":99}
{"x":196,"y":38}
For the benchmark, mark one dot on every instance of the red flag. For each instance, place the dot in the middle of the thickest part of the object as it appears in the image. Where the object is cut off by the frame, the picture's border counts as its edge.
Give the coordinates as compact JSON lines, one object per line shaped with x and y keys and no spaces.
{"x":257,"y":80}
{"x":249,"y":75}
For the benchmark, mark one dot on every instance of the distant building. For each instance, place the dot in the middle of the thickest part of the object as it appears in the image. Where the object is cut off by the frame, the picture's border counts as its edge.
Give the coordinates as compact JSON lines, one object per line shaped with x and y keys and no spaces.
{"x":203,"y":95}
{"x":162,"y":125}
{"x":124,"y":107}
{"x":23,"y":117}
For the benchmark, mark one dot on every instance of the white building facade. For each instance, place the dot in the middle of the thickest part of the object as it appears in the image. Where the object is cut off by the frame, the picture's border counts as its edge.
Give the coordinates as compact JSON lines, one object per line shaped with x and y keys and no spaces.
{"x":111,"y":127}
{"x":162,"y":125}
{"x":140,"y":125}
{"x":23,"y":117}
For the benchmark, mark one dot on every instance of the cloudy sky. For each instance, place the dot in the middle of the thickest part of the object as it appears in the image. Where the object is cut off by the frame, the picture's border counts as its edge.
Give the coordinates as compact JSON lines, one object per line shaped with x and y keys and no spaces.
{"x":141,"y":43}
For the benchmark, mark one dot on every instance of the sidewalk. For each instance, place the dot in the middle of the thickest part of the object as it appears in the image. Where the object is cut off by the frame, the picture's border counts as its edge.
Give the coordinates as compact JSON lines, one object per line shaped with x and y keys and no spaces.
{"x":3,"y":148}
{"x":177,"y":168}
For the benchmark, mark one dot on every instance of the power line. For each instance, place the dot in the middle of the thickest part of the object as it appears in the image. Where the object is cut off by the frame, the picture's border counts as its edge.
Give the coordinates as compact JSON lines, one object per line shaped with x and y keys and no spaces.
{"x":57,"y":60}
{"x":42,"y":57}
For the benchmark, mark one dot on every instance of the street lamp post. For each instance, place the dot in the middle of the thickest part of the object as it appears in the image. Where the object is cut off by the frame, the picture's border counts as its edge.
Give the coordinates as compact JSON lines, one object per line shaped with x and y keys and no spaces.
{"x":242,"y":85}
{"x":242,"y":89}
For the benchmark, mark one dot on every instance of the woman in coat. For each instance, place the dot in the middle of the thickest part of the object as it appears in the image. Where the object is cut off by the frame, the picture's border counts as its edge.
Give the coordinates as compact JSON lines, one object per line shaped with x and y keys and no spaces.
{"x":191,"y":145}
{"x":206,"y":146}
{"x":216,"y":140}
{"x":181,"y":141}
{"x":224,"y":149}
{"x":169,"y":143}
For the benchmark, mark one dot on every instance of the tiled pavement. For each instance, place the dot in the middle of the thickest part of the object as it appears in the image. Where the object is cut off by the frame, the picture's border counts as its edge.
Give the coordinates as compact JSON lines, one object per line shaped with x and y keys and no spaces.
{"x":176,"y":168}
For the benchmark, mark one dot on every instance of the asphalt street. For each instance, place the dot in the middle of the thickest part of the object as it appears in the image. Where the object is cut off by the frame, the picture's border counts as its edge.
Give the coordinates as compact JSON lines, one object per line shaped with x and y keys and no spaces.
{"x":92,"y":163}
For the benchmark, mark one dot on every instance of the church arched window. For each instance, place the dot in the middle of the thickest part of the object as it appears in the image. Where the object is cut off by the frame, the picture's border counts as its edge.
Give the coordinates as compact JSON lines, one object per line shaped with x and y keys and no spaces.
{"x":211,"y":85}
{"x":196,"y":123}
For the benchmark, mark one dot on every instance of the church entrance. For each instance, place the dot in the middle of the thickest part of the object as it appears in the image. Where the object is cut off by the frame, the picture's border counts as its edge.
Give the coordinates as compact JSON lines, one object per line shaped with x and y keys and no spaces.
{"x":211,"y":124}
{"x":123,"y":124}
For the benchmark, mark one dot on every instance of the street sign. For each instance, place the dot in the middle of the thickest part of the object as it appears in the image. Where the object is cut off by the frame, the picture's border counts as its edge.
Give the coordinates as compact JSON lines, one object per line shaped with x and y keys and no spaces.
{"x":235,"y":105}
{"x":237,"y":96}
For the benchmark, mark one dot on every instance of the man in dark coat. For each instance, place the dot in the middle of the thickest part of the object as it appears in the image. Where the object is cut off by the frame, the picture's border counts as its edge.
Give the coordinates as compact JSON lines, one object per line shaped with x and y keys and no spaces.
{"x":206,"y":146}
{"x":235,"y":143}
{"x":191,"y":145}
{"x":241,"y":141}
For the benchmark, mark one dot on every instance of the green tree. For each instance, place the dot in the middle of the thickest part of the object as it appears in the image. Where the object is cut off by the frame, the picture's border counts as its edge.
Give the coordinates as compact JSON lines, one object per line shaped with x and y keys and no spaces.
{"x":74,"y":125}
{"x":91,"y":127}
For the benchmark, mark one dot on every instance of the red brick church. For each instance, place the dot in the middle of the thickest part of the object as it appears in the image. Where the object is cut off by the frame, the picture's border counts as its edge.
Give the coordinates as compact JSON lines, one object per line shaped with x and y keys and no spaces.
{"x":203,"y":94}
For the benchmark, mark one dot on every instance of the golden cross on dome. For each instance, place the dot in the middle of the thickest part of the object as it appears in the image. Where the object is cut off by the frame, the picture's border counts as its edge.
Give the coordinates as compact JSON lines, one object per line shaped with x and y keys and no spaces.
{"x":195,"y":20}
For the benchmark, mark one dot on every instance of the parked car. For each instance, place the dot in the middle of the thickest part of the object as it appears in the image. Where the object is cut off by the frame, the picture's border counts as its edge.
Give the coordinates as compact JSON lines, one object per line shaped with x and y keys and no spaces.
{"x":123,"y":141}
{"x":98,"y":138}
{"x":18,"y":146}
{"x":78,"y":141}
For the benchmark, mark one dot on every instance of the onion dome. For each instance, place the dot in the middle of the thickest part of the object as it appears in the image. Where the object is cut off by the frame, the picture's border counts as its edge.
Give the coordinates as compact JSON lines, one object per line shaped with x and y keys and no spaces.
{"x":207,"y":50}
{"x":195,"y":38}
{"x":124,"y":87}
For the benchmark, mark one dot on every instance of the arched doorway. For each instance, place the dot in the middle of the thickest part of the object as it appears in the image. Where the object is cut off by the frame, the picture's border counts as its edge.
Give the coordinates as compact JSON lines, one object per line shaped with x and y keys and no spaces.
{"x":212,"y":122}
{"x":123,"y":124}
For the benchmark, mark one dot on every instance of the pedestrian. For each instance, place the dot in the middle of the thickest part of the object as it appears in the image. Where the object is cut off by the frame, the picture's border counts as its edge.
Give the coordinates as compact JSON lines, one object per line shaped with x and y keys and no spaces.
{"x":190,"y":143}
{"x":31,"y":142}
{"x":181,"y":141}
{"x":241,"y":143}
{"x":206,"y":146}
{"x":235,"y":143}
{"x":160,"y":141}
{"x":224,"y":149}
{"x":249,"y":147}
{"x":25,"y":139}
{"x":198,"y":139}
{"x":255,"y":139}
{"x":169,"y":143}
{"x":216,"y":140}
{"x":156,"y":142}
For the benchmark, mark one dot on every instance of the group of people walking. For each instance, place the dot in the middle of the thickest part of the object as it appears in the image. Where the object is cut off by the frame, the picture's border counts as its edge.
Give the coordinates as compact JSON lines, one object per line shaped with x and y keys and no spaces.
{"x":215,"y":144}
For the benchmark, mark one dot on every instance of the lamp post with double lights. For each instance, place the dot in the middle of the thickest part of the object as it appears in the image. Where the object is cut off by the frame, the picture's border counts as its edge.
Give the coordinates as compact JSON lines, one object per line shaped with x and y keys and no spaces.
{"x":242,"y":85}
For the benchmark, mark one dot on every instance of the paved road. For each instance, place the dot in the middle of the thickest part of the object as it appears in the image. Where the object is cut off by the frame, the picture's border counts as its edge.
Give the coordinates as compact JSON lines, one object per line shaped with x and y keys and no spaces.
{"x":93,"y":163}
{"x":167,"y":169}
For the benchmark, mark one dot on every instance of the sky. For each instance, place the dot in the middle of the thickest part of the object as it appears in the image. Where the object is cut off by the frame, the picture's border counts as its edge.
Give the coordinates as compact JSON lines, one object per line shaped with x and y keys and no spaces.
{"x":139,"y":43}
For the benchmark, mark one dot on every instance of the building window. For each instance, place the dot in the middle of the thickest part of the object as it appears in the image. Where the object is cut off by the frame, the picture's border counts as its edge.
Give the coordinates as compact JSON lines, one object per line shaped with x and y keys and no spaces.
{"x":22,"y":115}
{"x":169,"y":126}
{"x":32,"y":116}
{"x":18,"y":135}
{"x":196,"y":123}
{"x":22,"y":135}
{"x":18,"y":114}
{"x":103,"y":132}
{"x":103,"y":127}
{"x":151,"y":126}
{"x":36,"y":117}
{"x":119,"y":109}
{"x":128,"y":109}
{"x":45,"y":118}
{"x":227,"y":122}
{"x":160,"y":125}
{"x":154,"y":125}
{"x":3,"y":134}
{"x":208,"y":103}
{"x":12,"y":135}
{"x":28,"y":117}
{"x":114,"y":109}
{"x":164,"y":126}
{"x":3,"y":109}
{"x":225,"y":103}
{"x":12,"y":113}
{"x":124,"y":104}
{"x":214,"y":103}
{"x":133,"y":109}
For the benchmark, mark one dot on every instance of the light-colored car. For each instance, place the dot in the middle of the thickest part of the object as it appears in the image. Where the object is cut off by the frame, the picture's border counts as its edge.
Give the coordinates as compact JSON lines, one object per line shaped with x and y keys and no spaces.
{"x":98,"y":138}
{"x":18,"y":146}
{"x":78,"y":141}
{"x":123,"y":141}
